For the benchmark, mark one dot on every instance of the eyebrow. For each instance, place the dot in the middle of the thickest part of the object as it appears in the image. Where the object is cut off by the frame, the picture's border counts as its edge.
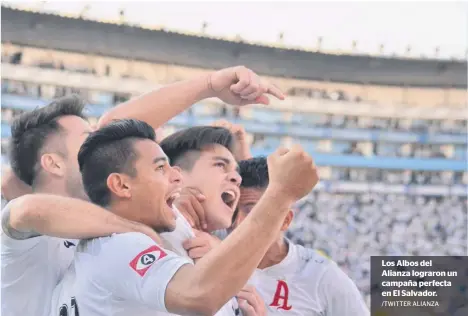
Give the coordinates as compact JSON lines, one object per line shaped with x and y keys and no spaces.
{"x":226,"y":161}
{"x":158,"y":159}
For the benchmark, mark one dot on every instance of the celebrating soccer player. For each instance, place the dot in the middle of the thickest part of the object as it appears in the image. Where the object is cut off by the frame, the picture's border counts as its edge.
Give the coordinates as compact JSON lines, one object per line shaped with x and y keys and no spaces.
{"x":198,"y":152}
{"x":45,"y":144}
{"x":291,"y":277}
{"x":126,"y":171}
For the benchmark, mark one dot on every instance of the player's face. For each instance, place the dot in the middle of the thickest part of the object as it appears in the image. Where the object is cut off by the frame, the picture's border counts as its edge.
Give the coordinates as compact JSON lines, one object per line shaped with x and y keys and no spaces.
{"x":215,"y":175}
{"x":154,"y":187}
{"x":249,"y":197}
{"x":76,"y":131}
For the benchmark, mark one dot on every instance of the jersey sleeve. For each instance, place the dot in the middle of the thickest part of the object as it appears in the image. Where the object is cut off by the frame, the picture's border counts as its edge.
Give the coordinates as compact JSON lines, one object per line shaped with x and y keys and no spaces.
{"x":133,"y":267}
{"x":12,"y":246}
{"x":341,"y":296}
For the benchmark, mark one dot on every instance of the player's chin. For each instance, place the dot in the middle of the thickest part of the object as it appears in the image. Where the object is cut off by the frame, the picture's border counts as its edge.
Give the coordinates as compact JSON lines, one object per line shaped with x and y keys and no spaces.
{"x":227,"y":209}
{"x":223,"y":218}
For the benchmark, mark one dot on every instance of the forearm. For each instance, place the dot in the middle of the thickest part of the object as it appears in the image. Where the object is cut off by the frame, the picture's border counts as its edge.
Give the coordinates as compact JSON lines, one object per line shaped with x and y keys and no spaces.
{"x":243,"y":152}
{"x":223,"y":272}
{"x":159,"y":106}
{"x":64,"y":217}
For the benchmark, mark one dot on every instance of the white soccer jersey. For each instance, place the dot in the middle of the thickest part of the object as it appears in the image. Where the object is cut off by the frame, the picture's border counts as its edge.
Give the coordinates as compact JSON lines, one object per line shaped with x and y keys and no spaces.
{"x":121,"y":275}
{"x":306,"y":283}
{"x":71,"y":291}
{"x":63,"y":298}
{"x":182,"y":232}
{"x":31,"y":269}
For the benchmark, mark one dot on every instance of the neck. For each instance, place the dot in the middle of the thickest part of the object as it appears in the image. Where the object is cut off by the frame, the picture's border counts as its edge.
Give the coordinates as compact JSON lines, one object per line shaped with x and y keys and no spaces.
{"x":50,"y":188}
{"x":277,"y":252}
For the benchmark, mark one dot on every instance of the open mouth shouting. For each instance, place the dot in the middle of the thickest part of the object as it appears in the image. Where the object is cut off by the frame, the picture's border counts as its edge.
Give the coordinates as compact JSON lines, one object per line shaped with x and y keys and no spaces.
{"x":172,"y":197}
{"x":230,"y":197}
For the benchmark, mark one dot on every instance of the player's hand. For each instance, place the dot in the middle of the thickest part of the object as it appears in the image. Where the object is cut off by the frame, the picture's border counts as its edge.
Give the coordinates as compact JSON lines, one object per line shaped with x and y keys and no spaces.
{"x":292,"y":172}
{"x":250,"y":302}
{"x":241,"y":86}
{"x":242,"y":150}
{"x":190,"y":204}
{"x":200,"y":245}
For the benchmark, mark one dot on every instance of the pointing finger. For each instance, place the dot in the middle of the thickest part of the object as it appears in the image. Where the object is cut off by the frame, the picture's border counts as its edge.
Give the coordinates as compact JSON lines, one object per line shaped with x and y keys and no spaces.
{"x":275,"y":91}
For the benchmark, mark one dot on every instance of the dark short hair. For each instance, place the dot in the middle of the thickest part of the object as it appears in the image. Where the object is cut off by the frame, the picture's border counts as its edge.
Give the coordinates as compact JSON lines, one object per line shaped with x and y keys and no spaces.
{"x":254,"y":173}
{"x":110,"y":150}
{"x":30,"y":131}
{"x":179,"y":145}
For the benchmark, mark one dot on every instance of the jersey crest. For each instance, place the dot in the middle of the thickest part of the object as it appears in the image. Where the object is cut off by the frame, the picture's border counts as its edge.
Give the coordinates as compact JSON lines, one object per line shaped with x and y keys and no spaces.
{"x":281,"y":298}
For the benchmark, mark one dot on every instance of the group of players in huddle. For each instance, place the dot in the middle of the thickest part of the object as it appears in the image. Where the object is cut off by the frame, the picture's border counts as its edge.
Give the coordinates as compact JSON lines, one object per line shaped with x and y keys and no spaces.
{"x":110,"y":221}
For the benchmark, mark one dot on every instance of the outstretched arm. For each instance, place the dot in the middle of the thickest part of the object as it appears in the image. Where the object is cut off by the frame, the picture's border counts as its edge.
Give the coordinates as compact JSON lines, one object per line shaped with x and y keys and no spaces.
{"x":52,"y":215}
{"x":222,"y":272}
{"x":235,"y":85}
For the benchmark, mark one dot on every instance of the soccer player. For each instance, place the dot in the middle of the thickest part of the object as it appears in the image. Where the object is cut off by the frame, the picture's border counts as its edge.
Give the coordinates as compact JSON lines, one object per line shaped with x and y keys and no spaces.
{"x":203,"y":155}
{"x":44,"y":147}
{"x":292,"y":279}
{"x":125,"y":170}
{"x":198,"y":152}
{"x":44,"y":151}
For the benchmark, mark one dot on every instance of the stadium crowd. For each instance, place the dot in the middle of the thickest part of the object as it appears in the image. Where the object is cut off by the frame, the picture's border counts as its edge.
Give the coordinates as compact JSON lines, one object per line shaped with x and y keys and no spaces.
{"x":352,"y":227}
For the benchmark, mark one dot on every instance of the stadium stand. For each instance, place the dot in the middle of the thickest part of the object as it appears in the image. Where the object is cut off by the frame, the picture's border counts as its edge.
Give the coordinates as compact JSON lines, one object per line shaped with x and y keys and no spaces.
{"x":389,"y":135}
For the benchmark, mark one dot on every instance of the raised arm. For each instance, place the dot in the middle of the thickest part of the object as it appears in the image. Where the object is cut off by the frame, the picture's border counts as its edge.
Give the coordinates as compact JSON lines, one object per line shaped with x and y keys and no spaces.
{"x":222,"y":273}
{"x":235,"y":85}
{"x":42,"y":214}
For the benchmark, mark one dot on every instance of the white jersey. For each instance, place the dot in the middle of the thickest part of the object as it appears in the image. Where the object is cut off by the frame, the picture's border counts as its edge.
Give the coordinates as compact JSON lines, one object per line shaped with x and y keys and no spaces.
{"x":121,"y":275}
{"x":307,"y":283}
{"x":181,"y":233}
{"x":174,"y":239}
{"x":70,"y":290}
{"x":31,"y":269}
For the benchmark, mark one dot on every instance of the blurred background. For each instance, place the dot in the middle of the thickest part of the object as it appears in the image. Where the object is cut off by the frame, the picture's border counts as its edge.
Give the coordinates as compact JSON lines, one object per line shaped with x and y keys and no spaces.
{"x":376,"y":92}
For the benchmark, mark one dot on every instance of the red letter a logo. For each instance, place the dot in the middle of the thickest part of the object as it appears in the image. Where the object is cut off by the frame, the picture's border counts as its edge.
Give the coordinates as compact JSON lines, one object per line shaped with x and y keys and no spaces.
{"x":282,"y":294}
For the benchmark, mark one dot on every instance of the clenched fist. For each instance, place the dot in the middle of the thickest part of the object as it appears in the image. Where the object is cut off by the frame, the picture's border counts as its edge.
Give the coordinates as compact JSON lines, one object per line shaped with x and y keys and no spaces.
{"x":293,"y":173}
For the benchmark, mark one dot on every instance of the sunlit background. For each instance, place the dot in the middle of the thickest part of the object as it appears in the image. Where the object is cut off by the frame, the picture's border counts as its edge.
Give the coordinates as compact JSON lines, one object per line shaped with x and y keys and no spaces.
{"x":376,"y":92}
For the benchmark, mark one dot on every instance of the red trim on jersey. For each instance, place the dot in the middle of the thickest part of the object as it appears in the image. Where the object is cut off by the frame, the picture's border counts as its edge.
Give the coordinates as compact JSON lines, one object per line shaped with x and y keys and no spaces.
{"x":145,"y":259}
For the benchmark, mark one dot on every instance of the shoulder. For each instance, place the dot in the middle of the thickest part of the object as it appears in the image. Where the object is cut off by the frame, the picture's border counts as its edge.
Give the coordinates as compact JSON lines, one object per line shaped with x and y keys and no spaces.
{"x":14,"y":240}
{"x":116,"y":245}
{"x":314,"y":266}
{"x":129,"y":239}
{"x":115,"y":253}
{"x":313,"y":258}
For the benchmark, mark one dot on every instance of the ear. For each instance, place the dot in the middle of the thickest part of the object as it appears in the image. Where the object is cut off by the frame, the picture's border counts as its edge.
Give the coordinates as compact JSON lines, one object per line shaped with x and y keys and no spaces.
{"x":119,"y":185}
{"x":287,"y":221}
{"x":53,"y":164}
